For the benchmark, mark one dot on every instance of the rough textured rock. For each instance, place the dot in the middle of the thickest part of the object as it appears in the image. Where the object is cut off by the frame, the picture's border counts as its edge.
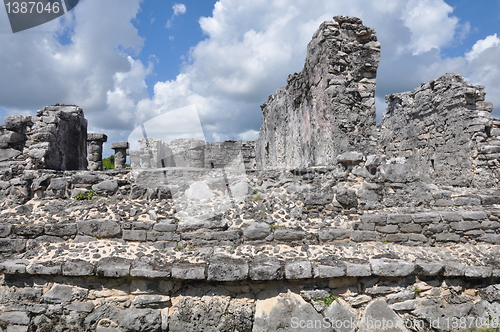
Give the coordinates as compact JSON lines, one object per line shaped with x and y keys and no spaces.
{"x":443,"y":132}
{"x":56,"y":138}
{"x":329,"y":107}
{"x":286,"y":312}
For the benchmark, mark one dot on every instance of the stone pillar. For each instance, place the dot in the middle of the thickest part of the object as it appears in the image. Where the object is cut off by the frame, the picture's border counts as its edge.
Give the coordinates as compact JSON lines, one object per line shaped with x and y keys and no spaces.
{"x":94,"y":150}
{"x":120,"y":154}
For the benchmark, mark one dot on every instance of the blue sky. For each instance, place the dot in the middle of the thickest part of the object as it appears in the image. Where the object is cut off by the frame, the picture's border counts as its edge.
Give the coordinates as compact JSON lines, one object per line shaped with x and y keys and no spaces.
{"x":126,"y":62}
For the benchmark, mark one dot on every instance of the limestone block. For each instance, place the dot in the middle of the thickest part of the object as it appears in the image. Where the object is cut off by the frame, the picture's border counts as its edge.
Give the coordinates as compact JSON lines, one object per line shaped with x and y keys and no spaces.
{"x":256,"y":230}
{"x":284,"y":234}
{"x":358,"y":269}
{"x":8,"y":154}
{"x":428,"y":268}
{"x":15,"y":318}
{"x":120,"y":145}
{"x":188,"y":271}
{"x":5,"y":230}
{"x":77,"y":267}
{"x":12,"y":245}
{"x":152,"y":301}
{"x":266,"y":268}
{"x":150,"y":269}
{"x":7,"y":136}
{"x":298,"y":269}
{"x":107,"y":187}
{"x":48,"y":267}
{"x":224,"y":268}
{"x":113,"y":267}
{"x":97,"y":137}
{"x":391,"y":267}
{"x":99,"y":228}
{"x":16,"y":266}
{"x":61,"y":229}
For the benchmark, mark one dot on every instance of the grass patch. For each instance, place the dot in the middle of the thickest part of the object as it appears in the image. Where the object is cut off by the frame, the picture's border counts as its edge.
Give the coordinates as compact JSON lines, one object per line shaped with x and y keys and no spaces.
{"x":257,"y":198}
{"x":85,"y":195}
{"x":109,"y":163}
{"x":327,"y":300}
{"x":277,"y":226}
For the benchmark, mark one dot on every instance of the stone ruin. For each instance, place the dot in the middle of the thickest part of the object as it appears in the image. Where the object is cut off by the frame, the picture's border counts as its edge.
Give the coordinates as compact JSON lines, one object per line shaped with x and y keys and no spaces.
{"x":390,"y":227}
{"x":329,"y":107}
{"x":56,"y":138}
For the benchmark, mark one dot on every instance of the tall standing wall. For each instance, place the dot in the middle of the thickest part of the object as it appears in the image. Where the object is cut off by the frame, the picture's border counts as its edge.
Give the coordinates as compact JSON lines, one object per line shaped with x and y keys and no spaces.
{"x":329,"y":107}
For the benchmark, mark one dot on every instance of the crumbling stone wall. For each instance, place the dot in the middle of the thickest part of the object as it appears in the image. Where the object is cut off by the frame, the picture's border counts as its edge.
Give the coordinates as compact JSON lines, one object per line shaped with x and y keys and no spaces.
{"x":156,"y":153}
{"x":329,"y":107}
{"x":444,"y":132}
{"x":56,"y":138}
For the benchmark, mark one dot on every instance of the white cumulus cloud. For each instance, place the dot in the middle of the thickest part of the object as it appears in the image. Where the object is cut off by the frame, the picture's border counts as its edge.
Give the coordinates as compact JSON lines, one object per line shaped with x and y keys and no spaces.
{"x":482,"y":45}
{"x":179,"y":9}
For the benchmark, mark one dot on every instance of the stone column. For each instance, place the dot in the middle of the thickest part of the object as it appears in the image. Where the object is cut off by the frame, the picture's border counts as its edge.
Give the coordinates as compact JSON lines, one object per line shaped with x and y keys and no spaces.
{"x":94,"y":150}
{"x":120,"y":154}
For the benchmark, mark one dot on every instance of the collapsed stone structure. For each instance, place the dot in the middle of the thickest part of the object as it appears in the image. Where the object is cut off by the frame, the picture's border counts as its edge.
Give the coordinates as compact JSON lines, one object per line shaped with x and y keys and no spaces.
{"x":386,"y":231}
{"x":56,"y":138}
{"x":328,"y":108}
{"x":445,"y":133}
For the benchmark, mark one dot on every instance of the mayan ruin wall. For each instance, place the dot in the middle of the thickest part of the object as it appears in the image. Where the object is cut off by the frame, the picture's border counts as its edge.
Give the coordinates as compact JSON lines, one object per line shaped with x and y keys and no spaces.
{"x":329,"y":222}
{"x":329,"y":107}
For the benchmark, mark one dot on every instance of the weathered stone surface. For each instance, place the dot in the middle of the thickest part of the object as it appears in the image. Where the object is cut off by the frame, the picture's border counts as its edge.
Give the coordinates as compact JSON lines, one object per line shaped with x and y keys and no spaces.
{"x":48,"y":267}
{"x":15,"y":317}
{"x":97,"y":137}
{"x":77,"y":267}
{"x":341,"y":317}
{"x":428,"y":269}
{"x":99,"y":228}
{"x":108,"y":187}
{"x":336,"y":77}
{"x":286,"y":312}
{"x":255,"y":230}
{"x":437,"y":117}
{"x":61,"y":229}
{"x":391,"y":267}
{"x":64,"y":294}
{"x":8,"y":154}
{"x":266,"y":268}
{"x":358,"y":270}
{"x":150,"y":269}
{"x":113,"y":267}
{"x":152,"y":301}
{"x":188,"y":271}
{"x":16,"y":266}
{"x":223,"y":268}
{"x":299,"y":269}
{"x":377,"y":313}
